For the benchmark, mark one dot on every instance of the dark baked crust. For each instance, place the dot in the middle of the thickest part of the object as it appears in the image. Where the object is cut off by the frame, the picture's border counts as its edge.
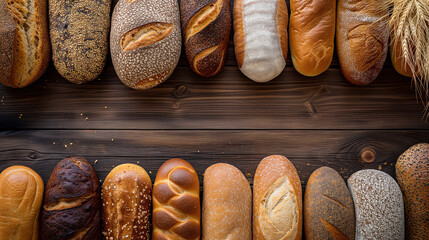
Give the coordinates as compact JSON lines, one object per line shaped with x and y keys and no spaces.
{"x":71,"y":208}
{"x":215,"y":35}
{"x":7,"y":36}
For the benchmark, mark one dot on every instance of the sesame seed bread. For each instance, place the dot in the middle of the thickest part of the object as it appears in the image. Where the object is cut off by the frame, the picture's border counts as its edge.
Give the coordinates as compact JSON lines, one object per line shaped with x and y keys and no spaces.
{"x":145,"y":41}
{"x":277,"y":200}
{"x":21,"y":195}
{"x":227,"y":204}
{"x":176,"y":202}
{"x":260,"y":38}
{"x":379,"y":207}
{"x":412,"y":172}
{"x":127,"y":202}
{"x":79,"y":33}
{"x":71,"y":206}
{"x":30,"y":53}
{"x":362,"y":39}
{"x":206,"y":26}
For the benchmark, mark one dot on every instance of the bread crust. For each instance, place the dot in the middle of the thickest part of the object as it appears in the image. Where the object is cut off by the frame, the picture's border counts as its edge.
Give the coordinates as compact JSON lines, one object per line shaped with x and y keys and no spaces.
{"x":398,"y":61}
{"x":7,"y":36}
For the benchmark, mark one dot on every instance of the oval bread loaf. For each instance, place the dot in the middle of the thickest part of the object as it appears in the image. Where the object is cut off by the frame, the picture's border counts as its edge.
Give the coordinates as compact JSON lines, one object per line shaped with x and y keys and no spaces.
{"x":277,"y":200}
{"x":71,"y":207}
{"x":328,"y":207}
{"x":362,"y":39}
{"x":227,"y":204}
{"x":28,"y":58}
{"x":312,"y":34}
{"x":260,"y":38}
{"x":79,"y":33}
{"x":145,"y":41}
{"x":206,"y":26}
{"x":378,"y":205}
{"x":21,"y":195}
{"x":398,"y":61}
{"x":176,"y":202}
{"x":127,"y":203}
{"x":412,"y":172}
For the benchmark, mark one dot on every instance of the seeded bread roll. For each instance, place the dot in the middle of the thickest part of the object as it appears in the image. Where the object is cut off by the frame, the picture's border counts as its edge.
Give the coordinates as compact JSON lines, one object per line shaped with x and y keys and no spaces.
{"x":412,"y":172}
{"x":21,"y":195}
{"x":79,"y":33}
{"x":176,"y":202}
{"x":362,"y":39}
{"x":71,"y":207}
{"x":30,"y":52}
{"x":260,"y":38}
{"x":378,"y":205}
{"x":227,"y":204}
{"x":127,"y":202}
{"x":312,"y":33}
{"x":277,"y":200}
{"x":145,"y":41}
{"x":328,"y":207}
{"x":206,"y":25}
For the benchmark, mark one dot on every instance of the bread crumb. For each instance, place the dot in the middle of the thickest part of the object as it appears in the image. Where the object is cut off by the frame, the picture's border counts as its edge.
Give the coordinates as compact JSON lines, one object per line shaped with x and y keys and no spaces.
{"x":138,"y":161}
{"x":112,"y":139}
{"x":20,"y":115}
{"x":95,"y":162}
{"x":105,"y":107}
{"x":71,"y":143}
{"x":65,"y":145}
{"x":53,"y":143}
{"x":385,"y":163}
{"x":379,"y":167}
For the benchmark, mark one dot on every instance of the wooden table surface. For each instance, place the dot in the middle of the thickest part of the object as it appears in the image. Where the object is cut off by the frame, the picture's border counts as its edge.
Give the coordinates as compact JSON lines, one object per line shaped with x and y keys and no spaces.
{"x":319,"y":121}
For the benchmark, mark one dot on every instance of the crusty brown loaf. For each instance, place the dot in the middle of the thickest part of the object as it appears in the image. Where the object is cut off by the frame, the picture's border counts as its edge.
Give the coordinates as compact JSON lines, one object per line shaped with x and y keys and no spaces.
{"x":362,"y":39}
{"x":71,"y":207}
{"x":31,"y":50}
{"x":398,"y":61}
{"x":227,"y":204}
{"x":328,"y":207}
{"x":21,"y":195}
{"x":7,"y":36}
{"x":79,"y":33}
{"x":145,"y":41}
{"x":176,"y":202}
{"x":412,"y":173}
{"x":127,"y":198}
{"x":206,"y":25}
{"x":312,"y":34}
{"x":277,"y":200}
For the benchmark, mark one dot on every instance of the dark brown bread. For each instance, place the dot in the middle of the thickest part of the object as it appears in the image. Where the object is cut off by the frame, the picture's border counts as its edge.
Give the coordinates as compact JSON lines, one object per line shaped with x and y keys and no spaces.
{"x":328,"y":207}
{"x":71,"y":208}
{"x":7,"y":37}
{"x":412,"y":172}
{"x":79,"y":33}
{"x":206,"y":26}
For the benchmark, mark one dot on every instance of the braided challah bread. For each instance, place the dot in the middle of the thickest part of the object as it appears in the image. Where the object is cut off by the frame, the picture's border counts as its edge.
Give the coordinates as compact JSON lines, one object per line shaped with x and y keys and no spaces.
{"x":176,"y":202}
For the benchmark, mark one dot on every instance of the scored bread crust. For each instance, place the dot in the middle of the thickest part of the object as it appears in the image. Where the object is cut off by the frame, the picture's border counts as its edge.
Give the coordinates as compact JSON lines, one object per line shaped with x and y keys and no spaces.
{"x":176,"y":201}
{"x":31,"y":51}
{"x":21,"y":195}
{"x":206,"y":26}
{"x":312,"y":34}
{"x":127,"y":200}
{"x":276,"y":178}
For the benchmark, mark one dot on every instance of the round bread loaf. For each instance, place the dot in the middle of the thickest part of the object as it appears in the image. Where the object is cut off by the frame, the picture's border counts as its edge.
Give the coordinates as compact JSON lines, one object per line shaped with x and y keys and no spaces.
{"x":378,"y":204}
{"x":328,"y":207}
{"x":127,"y":203}
{"x":21,"y":195}
{"x":412,"y":172}
{"x":145,"y":41}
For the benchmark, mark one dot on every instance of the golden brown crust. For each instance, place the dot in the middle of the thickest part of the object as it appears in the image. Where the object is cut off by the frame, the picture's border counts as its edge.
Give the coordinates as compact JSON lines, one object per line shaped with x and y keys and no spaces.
{"x":176,"y":201}
{"x":153,"y":81}
{"x":145,"y":35}
{"x":282,"y":22}
{"x":398,"y":61}
{"x":239,"y":38}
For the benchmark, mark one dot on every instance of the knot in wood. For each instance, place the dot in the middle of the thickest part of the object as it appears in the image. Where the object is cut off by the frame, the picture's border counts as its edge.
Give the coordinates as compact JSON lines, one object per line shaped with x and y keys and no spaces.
{"x":180,"y":91}
{"x":367,"y":155}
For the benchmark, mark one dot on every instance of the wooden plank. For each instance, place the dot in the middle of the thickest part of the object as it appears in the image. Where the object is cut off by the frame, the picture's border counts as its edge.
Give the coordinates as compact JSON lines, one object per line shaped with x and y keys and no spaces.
{"x":308,"y":150}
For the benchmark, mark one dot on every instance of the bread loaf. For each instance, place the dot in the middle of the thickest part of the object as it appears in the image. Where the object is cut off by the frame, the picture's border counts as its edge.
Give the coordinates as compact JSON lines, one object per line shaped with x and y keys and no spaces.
{"x":378,"y":205}
{"x":176,"y":202}
{"x":79,"y":33}
{"x":227,"y":204}
{"x":412,"y":172}
{"x":206,"y":25}
{"x":25,"y":61}
{"x":328,"y":207}
{"x":277,"y":200}
{"x":71,"y":207}
{"x":127,"y":202}
{"x":21,"y":195}
{"x":145,"y":41}
{"x":398,"y":60}
{"x":260,"y":38}
{"x":312,"y":33}
{"x":362,"y":39}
